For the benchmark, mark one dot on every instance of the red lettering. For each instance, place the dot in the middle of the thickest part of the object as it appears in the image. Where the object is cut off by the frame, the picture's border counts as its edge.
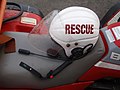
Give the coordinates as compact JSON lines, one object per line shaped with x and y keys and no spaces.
{"x":72,"y":28}
{"x":78,"y":29}
{"x":88,"y":28}
{"x":92,"y":29}
{"x":67,"y":29}
{"x":82,"y":29}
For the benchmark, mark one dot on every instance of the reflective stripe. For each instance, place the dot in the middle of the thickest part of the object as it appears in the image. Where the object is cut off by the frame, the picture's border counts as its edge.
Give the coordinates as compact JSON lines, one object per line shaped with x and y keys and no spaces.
{"x":116,"y":31}
{"x":107,"y":65}
{"x":110,"y":36}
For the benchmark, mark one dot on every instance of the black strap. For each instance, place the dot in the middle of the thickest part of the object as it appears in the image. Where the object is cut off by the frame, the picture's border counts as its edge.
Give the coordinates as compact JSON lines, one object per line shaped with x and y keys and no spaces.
{"x":30,"y":69}
{"x":14,"y":17}
{"x":50,"y":74}
{"x":112,"y":11}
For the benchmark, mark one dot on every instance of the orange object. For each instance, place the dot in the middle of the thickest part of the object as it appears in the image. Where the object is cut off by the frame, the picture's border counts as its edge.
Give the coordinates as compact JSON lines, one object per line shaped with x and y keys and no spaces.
{"x":5,"y":40}
{"x":2,"y":10}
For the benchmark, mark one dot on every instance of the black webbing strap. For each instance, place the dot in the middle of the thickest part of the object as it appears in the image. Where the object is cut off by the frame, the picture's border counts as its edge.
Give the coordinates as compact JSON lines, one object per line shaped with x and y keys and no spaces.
{"x":112,"y":11}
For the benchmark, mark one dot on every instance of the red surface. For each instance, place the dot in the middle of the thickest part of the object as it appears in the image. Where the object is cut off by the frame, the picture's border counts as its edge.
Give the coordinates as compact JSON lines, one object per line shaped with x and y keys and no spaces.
{"x":75,"y":86}
{"x":16,"y":25}
{"x":96,"y":73}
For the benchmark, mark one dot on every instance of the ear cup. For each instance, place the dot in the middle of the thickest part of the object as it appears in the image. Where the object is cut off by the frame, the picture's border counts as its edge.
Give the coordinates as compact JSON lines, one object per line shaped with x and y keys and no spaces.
{"x":81,"y":52}
{"x":77,"y":52}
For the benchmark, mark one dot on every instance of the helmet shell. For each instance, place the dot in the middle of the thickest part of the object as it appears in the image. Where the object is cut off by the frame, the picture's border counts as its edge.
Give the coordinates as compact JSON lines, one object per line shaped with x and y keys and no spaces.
{"x":75,"y":27}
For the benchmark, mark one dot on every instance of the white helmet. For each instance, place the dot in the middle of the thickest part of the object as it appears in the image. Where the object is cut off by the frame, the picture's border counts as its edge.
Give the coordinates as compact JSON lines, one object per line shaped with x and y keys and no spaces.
{"x":70,"y":29}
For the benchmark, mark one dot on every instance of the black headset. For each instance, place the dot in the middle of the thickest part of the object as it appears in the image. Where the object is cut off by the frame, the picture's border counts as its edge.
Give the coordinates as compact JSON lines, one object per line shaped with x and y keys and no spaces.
{"x":77,"y":53}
